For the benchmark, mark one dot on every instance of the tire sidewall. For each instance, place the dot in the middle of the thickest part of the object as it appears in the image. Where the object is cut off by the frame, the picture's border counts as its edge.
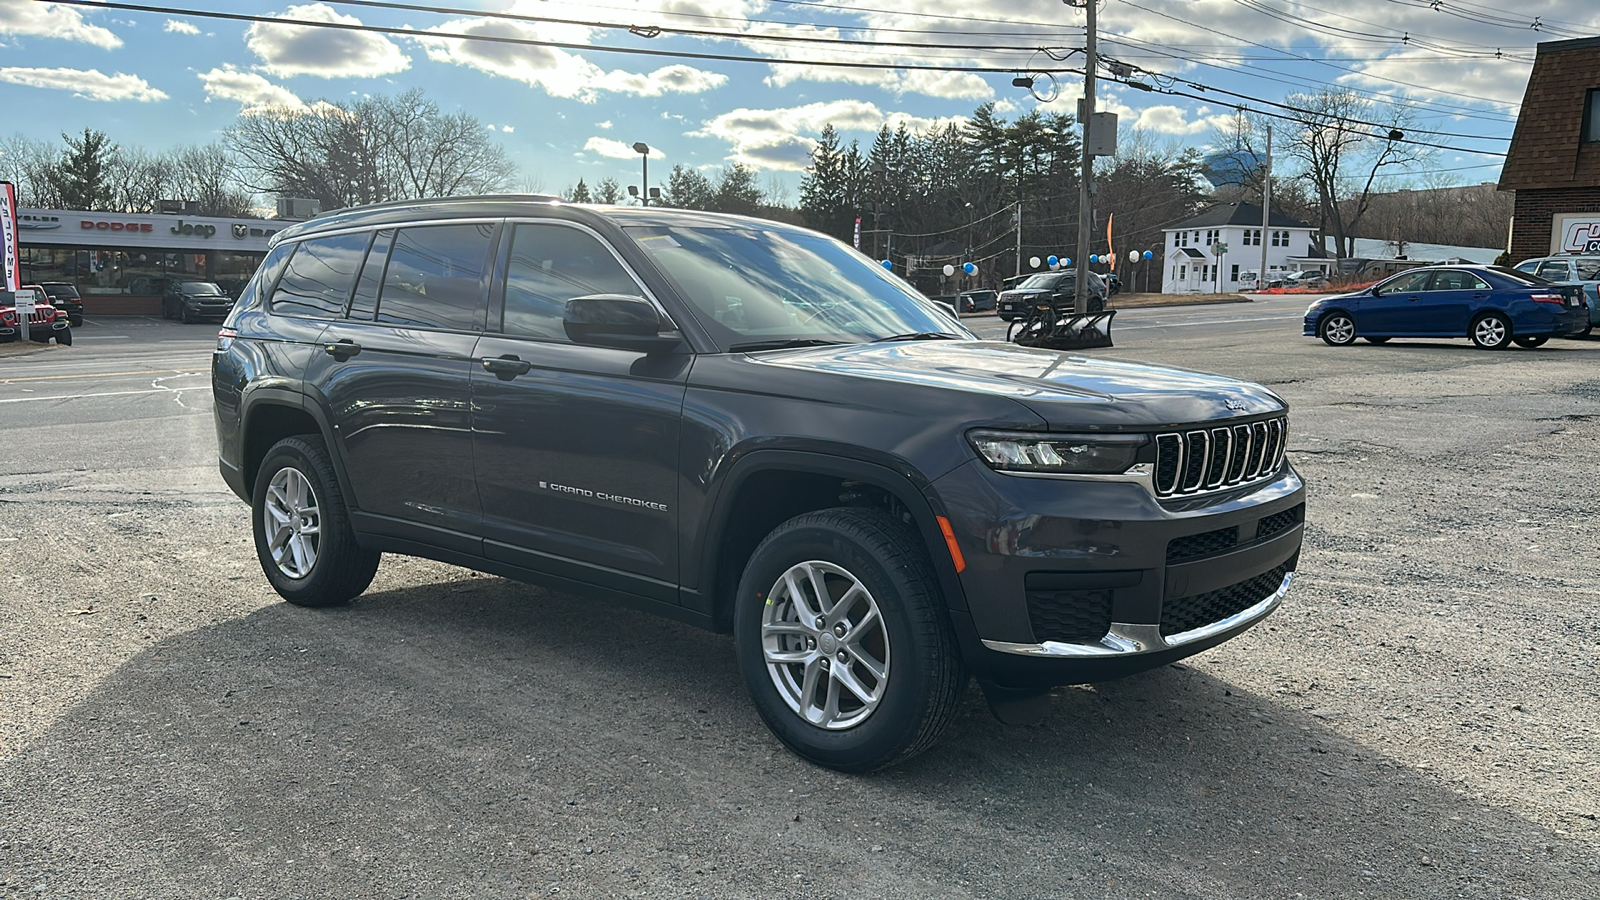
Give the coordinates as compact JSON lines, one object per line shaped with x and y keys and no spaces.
{"x":897,"y":720}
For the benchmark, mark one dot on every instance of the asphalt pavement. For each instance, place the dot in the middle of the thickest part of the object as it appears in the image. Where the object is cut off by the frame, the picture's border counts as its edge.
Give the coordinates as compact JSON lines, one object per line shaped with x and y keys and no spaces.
{"x":1421,"y":719}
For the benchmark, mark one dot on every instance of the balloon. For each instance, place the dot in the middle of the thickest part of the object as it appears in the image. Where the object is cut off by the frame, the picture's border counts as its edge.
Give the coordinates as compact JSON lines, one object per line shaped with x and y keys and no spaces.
{"x":1034,"y":262}
{"x":887,"y":264}
{"x":1148,"y":254}
{"x":1053,"y":260}
{"x":968,"y":268}
{"x":1095,"y":259}
{"x":949,"y":270}
{"x":1133,"y":256}
{"x":1066,"y":262}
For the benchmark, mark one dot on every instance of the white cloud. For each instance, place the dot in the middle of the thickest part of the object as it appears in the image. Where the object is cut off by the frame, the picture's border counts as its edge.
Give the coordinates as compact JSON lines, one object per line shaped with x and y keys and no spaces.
{"x":944,"y":85}
{"x":781,"y":138}
{"x":1175,"y":120}
{"x":177,"y":27}
{"x":616,"y":149}
{"x":251,"y":91}
{"x":556,"y":71}
{"x":603,"y":126}
{"x":50,"y":20}
{"x":90,"y":84}
{"x":507,"y":129}
{"x":287,"y":50}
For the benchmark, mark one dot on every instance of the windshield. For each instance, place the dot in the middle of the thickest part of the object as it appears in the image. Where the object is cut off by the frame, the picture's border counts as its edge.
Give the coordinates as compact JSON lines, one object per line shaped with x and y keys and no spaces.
{"x":749,"y":285}
{"x":1044,"y":281}
{"x":199,"y":287}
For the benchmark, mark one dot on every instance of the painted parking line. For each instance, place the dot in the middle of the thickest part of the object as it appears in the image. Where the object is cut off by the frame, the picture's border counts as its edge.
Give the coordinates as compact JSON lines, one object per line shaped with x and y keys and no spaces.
{"x":101,"y":375}
{"x":104,"y":394}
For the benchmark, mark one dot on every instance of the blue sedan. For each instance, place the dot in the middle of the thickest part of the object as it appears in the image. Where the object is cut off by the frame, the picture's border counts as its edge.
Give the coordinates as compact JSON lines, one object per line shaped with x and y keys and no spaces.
{"x":1492,"y":305}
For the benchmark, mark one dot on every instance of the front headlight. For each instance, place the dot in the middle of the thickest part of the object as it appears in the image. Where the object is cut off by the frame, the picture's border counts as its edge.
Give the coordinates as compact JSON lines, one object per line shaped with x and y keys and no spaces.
{"x":1064,"y":454}
{"x":1315,"y":305}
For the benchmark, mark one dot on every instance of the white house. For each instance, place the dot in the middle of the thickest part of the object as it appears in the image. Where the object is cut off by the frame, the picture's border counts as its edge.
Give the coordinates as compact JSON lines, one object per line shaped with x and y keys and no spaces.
{"x":1193,"y":264}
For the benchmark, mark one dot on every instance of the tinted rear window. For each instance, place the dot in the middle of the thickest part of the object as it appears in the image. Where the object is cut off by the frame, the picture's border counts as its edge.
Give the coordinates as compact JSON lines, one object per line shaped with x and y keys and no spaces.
{"x":199,"y":287}
{"x":435,"y":277}
{"x":61,"y":290}
{"x":1518,"y":276}
{"x":317,"y":282}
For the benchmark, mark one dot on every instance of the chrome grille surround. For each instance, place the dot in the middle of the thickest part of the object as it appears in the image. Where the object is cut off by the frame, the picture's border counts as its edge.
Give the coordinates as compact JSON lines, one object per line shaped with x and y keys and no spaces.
{"x":1199,"y":461}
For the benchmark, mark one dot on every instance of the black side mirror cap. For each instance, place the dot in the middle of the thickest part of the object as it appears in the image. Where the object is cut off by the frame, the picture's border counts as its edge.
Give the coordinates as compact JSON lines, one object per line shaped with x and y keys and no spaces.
{"x":617,"y":320}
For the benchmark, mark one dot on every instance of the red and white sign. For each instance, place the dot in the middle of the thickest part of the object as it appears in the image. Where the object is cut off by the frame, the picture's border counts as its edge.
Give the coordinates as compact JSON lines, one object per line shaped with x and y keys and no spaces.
{"x":9,"y":257}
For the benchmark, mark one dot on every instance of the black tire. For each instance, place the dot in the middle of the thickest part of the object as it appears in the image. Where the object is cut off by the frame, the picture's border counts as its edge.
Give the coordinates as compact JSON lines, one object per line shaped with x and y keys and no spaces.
{"x":64,"y":337}
{"x":1376,"y":340}
{"x":1337,"y":329}
{"x":183,"y":315}
{"x":166,"y":311}
{"x":1490,"y":331}
{"x":896,"y":625}
{"x":1532,"y":340}
{"x":338,"y":569}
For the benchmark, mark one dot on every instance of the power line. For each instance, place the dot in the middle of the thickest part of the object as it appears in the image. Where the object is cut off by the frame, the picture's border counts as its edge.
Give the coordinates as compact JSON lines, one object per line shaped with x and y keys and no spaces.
{"x":531,"y":42}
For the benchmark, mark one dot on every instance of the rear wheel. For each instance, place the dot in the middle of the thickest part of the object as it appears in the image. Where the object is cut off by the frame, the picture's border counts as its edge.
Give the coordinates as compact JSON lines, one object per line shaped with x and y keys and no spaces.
{"x":1491,"y":331}
{"x":1532,"y":340}
{"x":302,"y":529}
{"x":1337,"y":329}
{"x":843,"y":640}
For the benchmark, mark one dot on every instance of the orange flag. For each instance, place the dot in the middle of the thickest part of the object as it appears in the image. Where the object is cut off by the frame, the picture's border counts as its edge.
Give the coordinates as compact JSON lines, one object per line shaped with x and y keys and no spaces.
{"x":1110,"y":249}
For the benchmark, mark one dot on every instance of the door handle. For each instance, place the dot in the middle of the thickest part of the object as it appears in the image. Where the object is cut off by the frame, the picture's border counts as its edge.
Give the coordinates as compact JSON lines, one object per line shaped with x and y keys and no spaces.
{"x":506,"y":367}
{"x":342,"y":349}
{"x":1479,"y":296}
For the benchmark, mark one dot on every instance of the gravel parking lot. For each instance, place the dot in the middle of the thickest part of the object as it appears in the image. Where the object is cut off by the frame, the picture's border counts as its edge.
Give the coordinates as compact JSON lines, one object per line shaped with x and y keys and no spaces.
{"x":1420,"y":719}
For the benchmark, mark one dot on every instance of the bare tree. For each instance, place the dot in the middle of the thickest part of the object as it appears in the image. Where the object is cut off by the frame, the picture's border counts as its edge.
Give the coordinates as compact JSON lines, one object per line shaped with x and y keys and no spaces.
{"x":30,"y":164}
{"x":209,"y":176}
{"x":367,"y":151}
{"x":1342,"y":158}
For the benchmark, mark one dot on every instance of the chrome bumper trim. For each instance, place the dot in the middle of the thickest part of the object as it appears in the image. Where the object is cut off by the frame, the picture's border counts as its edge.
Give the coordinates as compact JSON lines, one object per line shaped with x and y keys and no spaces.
{"x":1125,"y":638}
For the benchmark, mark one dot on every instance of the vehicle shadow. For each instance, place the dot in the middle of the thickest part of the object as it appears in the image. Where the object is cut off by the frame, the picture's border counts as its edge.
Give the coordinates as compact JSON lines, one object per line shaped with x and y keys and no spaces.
{"x":479,"y":738}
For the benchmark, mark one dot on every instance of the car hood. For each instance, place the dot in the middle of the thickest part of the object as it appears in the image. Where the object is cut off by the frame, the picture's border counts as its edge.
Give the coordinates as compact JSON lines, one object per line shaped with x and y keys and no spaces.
{"x":1068,"y":392}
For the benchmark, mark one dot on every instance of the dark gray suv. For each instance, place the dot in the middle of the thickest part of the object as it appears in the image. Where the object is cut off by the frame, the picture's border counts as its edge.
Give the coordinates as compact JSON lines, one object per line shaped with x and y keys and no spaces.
{"x":753,"y":428}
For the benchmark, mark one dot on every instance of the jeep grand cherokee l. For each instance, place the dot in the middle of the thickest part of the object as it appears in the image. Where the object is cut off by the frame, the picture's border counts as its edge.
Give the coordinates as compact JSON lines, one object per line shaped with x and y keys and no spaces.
{"x":753,"y":428}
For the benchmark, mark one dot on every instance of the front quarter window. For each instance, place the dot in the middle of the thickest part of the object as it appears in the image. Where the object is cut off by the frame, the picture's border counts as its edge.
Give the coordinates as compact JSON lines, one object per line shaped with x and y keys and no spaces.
{"x":754,"y":285}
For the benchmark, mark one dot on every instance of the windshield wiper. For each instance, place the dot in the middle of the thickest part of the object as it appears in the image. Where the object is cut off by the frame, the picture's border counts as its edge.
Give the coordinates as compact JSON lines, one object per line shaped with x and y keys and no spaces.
{"x":919,"y":336}
{"x":781,"y":344}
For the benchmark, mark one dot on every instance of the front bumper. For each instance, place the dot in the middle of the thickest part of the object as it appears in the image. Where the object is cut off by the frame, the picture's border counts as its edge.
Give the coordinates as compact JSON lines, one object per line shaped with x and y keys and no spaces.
{"x":1073,"y":581}
{"x":38,"y":331}
{"x":215,"y":311}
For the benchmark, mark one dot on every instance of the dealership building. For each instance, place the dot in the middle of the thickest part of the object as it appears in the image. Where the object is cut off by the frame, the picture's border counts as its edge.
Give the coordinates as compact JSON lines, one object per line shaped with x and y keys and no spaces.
{"x":1554,"y":160}
{"x":121,"y":262}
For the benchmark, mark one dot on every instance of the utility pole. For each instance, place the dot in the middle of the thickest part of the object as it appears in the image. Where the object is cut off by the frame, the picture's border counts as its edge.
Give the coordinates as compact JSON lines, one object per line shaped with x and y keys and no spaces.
{"x":1080,"y":302}
{"x":1266,"y":214}
{"x":1018,"y":273}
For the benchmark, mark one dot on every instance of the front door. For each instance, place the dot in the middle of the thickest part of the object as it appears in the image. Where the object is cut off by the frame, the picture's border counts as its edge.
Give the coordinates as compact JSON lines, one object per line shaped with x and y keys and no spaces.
{"x":1393,"y":308}
{"x":575,"y":447}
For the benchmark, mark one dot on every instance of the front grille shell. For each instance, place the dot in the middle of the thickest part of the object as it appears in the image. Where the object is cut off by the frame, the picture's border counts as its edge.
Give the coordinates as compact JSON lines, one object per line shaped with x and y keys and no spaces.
{"x":1202,"y":460}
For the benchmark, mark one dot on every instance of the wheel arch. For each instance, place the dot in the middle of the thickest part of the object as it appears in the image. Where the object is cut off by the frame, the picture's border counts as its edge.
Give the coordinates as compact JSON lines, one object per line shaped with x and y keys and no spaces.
{"x":769,"y":487}
{"x":272,"y":414}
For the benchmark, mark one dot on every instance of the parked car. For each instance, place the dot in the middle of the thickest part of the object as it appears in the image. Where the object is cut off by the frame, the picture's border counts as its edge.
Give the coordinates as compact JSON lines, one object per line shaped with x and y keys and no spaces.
{"x":750,"y":427}
{"x":195,"y":301}
{"x":978,"y":300}
{"x":1059,"y":287}
{"x":64,"y":296}
{"x":1494,"y":306}
{"x":1113,"y":283}
{"x":1305,"y":278}
{"x":1583,"y":271}
{"x":46,"y":323}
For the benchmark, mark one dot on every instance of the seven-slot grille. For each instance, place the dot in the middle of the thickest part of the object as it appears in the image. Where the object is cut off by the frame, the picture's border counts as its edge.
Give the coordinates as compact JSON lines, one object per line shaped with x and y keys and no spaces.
{"x":1209,"y":459}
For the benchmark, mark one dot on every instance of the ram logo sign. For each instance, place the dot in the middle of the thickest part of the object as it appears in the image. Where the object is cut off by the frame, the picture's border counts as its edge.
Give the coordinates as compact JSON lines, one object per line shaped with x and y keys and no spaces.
{"x":1581,"y":236}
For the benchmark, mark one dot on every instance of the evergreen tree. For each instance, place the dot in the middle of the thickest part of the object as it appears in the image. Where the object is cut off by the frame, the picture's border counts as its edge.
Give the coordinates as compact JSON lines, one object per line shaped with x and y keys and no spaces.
{"x":578,"y":193}
{"x":688,"y":189}
{"x":737,"y":191}
{"x":607,"y":190}
{"x":82,"y":174}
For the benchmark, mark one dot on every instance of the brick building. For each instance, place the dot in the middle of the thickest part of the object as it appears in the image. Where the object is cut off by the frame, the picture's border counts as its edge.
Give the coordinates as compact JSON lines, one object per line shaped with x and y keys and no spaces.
{"x":1554,"y":161}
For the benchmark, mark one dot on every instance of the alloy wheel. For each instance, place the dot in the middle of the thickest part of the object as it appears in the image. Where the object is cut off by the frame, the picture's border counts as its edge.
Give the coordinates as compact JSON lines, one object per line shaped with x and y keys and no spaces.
{"x":1490,"y":331}
{"x":825,"y":645}
{"x":293,"y":522}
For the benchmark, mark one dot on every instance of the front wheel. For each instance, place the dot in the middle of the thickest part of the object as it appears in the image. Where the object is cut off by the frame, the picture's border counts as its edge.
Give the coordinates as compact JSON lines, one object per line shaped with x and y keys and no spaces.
{"x":1337,"y":330}
{"x":64,"y":337}
{"x":302,"y":529}
{"x":1491,"y":331}
{"x":1532,"y":340}
{"x":843,"y":640}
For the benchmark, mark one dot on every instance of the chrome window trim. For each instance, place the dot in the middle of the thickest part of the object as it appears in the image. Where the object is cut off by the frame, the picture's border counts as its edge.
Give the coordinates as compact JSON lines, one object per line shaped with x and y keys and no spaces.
{"x":1128,"y":638}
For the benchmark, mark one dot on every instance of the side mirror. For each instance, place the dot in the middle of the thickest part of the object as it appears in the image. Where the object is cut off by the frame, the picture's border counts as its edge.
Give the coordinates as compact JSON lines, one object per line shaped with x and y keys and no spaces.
{"x":619,"y":321}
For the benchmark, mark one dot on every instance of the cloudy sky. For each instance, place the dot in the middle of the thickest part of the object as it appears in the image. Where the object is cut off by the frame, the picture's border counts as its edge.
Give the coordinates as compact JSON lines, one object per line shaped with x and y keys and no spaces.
{"x":568,"y":87}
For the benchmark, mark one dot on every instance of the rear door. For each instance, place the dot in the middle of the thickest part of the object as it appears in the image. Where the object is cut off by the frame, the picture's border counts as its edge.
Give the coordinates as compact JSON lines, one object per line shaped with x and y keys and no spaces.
{"x":1447,"y":305}
{"x":575,"y":446}
{"x":395,"y":375}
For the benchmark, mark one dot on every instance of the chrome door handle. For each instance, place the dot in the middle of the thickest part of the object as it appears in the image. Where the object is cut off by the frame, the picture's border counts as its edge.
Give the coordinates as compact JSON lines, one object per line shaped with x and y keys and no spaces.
{"x":506,"y":367}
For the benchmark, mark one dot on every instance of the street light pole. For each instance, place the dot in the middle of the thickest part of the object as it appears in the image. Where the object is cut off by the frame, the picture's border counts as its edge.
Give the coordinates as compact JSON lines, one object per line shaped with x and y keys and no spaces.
{"x":643,"y":149}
